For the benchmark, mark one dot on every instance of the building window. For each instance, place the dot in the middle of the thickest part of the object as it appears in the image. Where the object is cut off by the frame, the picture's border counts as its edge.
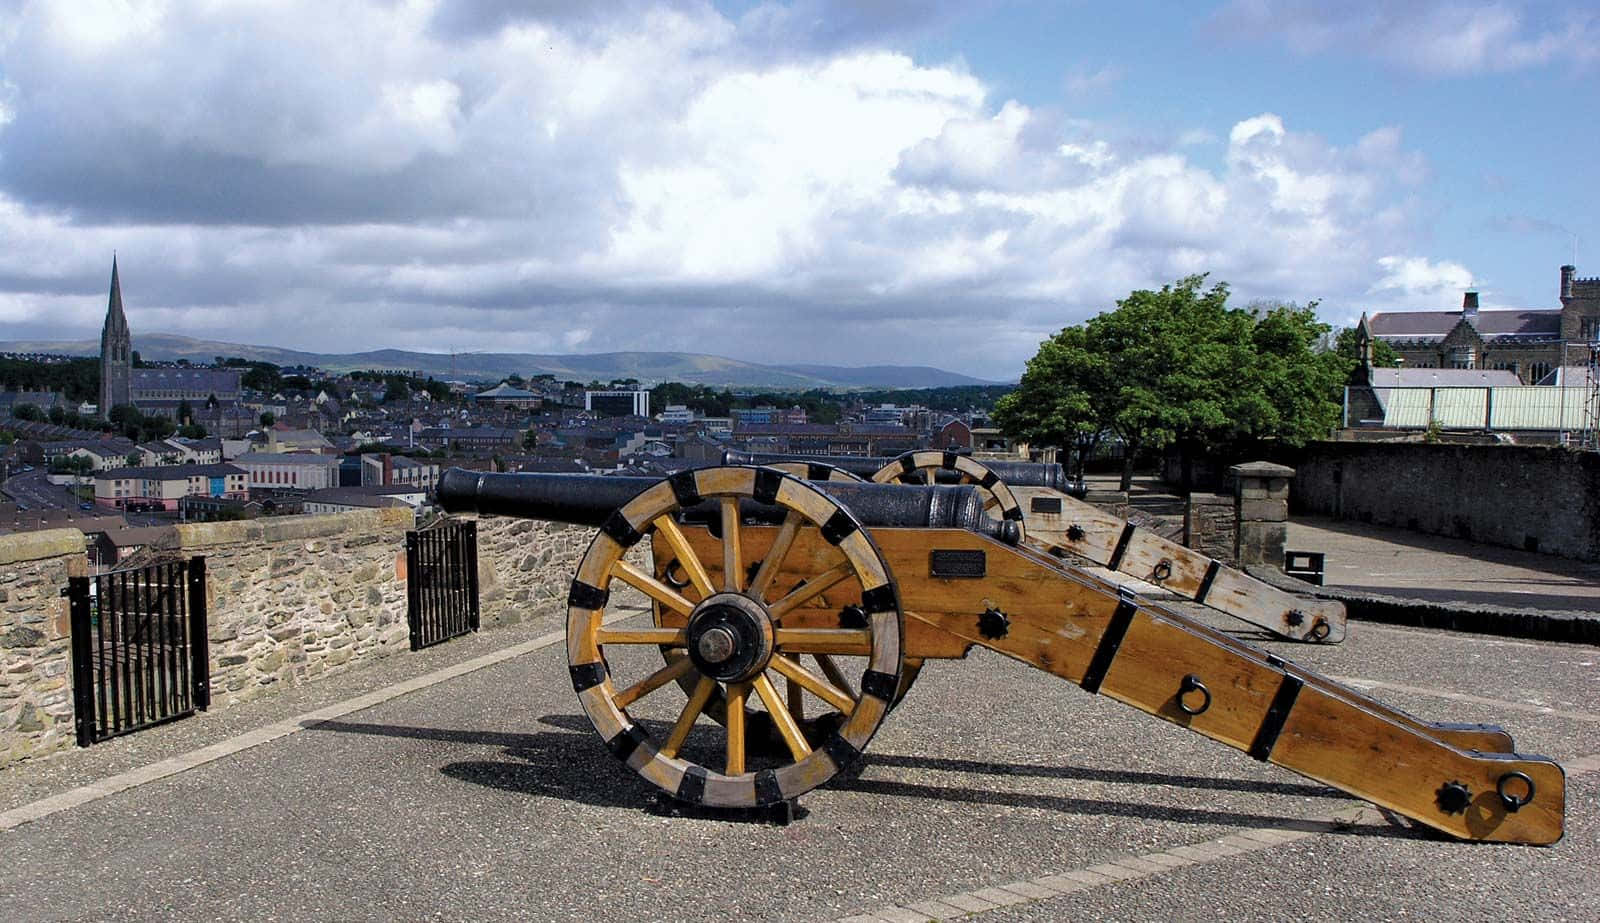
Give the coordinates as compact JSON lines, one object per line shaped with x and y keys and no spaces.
{"x":1589,"y":329}
{"x":1537,"y":371}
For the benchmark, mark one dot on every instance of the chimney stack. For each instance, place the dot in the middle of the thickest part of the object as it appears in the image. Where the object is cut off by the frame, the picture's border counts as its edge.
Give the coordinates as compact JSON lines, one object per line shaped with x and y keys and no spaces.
{"x":1567,"y":272}
{"x":1469,"y":305}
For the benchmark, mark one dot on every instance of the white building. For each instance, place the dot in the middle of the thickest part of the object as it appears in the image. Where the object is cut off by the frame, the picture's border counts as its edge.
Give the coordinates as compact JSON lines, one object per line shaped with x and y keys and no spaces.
{"x":677,"y":413}
{"x":290,"y":471}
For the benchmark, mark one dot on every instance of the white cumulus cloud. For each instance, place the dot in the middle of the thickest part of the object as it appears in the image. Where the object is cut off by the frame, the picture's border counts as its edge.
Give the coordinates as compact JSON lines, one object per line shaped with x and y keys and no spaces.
{"x":504,"y":177}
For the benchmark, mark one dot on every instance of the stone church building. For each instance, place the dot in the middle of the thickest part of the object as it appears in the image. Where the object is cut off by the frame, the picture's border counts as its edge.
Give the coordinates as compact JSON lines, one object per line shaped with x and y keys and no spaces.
{"x":153,"y":390}
{"x":1531,"y":344}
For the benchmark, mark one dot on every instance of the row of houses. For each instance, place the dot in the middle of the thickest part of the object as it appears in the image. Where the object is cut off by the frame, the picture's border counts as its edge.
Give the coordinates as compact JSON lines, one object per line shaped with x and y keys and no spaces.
{"x":162,"y":487}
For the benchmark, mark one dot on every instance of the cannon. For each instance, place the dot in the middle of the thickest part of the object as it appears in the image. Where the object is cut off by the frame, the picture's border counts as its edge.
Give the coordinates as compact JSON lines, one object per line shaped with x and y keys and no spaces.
{"x":1049,"y":508}
{"x":760,"y":579}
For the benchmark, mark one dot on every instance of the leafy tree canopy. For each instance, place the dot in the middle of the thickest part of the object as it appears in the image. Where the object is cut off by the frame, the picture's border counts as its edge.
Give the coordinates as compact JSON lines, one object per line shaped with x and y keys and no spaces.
{"x":1178,"y":367}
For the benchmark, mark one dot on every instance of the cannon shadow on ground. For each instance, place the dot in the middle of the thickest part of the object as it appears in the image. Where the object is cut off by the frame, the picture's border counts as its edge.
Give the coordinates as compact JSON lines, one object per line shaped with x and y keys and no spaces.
{"x":570,"y":764}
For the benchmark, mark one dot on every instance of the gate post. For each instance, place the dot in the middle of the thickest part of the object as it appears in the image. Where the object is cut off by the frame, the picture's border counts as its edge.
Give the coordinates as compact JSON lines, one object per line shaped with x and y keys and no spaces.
{"x":77,"y":594}
{"x":199,"y":638}
{"x":472,"y":569}
{"x":413,"y":591}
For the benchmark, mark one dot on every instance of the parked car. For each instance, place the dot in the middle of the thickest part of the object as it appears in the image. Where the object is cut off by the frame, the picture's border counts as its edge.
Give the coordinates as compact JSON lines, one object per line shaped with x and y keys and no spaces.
{"x":86,"y":506}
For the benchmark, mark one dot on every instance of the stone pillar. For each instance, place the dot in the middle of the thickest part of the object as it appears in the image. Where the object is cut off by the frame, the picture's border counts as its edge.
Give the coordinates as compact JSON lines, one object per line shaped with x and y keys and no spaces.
{"x":36,"y":713}
{"x":1211,"y":526}
{"x":1261,"y":503}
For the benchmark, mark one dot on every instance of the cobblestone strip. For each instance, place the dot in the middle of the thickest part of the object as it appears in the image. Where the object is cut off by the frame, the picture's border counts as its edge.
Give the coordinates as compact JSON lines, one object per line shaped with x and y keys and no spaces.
{"x":143,"y":775}
{"x":1253,"y":839}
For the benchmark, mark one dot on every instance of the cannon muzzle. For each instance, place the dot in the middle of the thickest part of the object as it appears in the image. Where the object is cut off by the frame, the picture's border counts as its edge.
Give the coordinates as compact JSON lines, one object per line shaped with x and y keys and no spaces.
{"x":587,"y":499}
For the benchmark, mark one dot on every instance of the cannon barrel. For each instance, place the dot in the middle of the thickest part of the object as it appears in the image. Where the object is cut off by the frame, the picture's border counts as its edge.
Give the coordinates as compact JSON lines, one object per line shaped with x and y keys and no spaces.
{"x":1013,"y":473}
{"x":587,"y":499}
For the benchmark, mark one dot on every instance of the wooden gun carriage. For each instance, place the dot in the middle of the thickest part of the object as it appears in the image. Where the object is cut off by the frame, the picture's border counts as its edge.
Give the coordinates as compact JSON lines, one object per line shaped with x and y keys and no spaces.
{"x":1054,"y":518}
{"x":840,"y":591}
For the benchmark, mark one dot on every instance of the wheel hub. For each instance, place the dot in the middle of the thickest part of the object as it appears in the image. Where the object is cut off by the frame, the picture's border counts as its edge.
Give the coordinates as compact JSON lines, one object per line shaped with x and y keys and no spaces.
{"x":730,"y":637}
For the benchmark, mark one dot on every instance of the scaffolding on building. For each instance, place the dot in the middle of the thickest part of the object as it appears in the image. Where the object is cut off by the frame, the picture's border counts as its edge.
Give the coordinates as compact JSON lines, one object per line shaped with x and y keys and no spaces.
{"x":1590,"y":438}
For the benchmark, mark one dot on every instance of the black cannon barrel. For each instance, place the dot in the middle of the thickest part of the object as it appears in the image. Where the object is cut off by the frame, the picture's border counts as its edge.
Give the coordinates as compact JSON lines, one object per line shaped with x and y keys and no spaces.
{"x":1014,"y":473}
{"x":587,"y":499}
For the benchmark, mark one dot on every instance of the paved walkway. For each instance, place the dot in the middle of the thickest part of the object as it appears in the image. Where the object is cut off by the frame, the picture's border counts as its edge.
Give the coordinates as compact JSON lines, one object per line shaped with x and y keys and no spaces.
{"x":475,"y":790}
{"x":1399,"y":562}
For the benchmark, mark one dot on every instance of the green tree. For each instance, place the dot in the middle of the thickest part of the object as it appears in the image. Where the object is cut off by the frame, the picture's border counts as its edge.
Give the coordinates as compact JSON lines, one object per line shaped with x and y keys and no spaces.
{"x":1179,"y":368}
{"x":29,"y":412}
{"x":1064,"y":397}
{"x":192,"y":431}
{"x":268,"y":418}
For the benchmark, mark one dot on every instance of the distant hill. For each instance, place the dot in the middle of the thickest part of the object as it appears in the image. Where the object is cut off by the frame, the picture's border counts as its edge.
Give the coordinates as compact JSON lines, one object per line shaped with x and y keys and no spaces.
{"x":652,"y":367}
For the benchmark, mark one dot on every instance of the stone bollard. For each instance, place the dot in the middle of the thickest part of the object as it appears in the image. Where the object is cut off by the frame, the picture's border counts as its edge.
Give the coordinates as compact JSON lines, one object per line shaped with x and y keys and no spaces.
{"x":1261,"y":503}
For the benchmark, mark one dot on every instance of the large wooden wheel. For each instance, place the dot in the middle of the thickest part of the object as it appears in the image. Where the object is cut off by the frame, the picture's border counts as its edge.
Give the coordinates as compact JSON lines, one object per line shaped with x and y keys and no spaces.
{"x":924,"y":467}
{"x":815,"y":723}
{"x":733,"y":642}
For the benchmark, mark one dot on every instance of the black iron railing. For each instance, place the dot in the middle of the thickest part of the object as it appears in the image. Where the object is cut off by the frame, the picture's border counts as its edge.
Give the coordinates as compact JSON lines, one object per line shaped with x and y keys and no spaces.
{"x":442,"y":582}
{"x":139,"y":648}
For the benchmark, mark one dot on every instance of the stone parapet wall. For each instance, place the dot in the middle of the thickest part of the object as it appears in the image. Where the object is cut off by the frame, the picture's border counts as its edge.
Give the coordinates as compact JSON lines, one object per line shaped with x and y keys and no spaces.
{"x":1536,"y":498}
{"x":296,"y":597}
{"x":36,"y":641}
{"x":526,"y":566}
{"x":289,"y":599}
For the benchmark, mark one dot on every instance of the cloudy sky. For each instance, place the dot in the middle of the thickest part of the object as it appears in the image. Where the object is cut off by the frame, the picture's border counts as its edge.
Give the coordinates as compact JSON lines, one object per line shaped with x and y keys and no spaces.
{"x":819,"y":181}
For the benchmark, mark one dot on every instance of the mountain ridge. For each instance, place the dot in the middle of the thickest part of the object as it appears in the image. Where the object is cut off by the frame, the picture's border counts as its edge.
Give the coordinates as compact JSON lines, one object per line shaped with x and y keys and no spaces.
{"x":650,"y":367}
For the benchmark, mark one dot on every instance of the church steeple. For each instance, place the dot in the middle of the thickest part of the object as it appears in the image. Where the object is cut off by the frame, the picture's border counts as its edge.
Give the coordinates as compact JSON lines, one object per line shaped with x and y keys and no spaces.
{"x":116,"y":351}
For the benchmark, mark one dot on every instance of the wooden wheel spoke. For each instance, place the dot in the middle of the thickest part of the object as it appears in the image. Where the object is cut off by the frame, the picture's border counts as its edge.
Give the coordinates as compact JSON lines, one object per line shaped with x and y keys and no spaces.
{"x":856,"y":641}
{"x":811,"y":589}
{"x":836,"y":676}
{"x":773,"y":562}
{"x":691,"y":710}
{"x":687,"y":559}
{"x":800,"y":677}
{"x":991,"y":503}
{"x":787,"y":727}
{"x":737,"y":693}
{"x":732,"y":553}
{"x":651,"y":587}
{"x":654,"y":681}
{"x":930,"y":476}
{"x":796,"y":698}
{"x":671,"y":637}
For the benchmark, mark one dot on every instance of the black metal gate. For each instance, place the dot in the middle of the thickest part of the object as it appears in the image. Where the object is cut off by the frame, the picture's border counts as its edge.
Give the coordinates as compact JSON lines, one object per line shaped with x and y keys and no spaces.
{"x":139,"y":648}
{"x":442,"y":582}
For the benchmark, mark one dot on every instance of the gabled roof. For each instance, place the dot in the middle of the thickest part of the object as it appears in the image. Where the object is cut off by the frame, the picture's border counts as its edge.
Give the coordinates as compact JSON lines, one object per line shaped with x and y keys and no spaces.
{"x":1421,"y":325}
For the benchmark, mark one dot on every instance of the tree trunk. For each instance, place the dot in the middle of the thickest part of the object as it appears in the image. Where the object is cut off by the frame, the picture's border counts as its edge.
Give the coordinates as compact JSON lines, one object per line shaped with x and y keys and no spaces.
{"x":1130,"y":449}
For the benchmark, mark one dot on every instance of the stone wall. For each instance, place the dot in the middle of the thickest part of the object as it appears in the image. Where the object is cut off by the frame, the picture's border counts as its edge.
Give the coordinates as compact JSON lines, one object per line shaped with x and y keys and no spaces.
{"x":525,"y":566}
{"x":295,"y":597}
{"x":1210,"y":526}
{"x":289,"y":599}
{"x":36,"y":641}
{"x":1536,"y":498}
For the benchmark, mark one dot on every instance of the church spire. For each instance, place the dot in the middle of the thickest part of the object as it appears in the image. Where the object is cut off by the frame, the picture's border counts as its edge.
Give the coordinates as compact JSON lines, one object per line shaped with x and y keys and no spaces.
{"x":116,"y":351}
{"x":116,"y":322}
